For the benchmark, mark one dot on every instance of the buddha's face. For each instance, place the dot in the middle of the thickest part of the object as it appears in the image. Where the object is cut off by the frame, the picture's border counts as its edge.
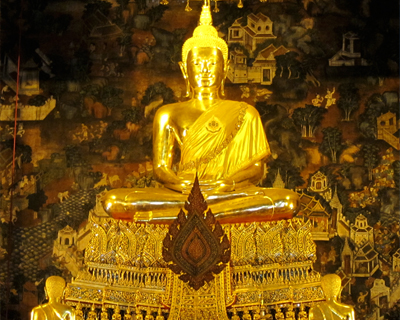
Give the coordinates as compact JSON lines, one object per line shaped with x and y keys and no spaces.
{"x":205,"y":68}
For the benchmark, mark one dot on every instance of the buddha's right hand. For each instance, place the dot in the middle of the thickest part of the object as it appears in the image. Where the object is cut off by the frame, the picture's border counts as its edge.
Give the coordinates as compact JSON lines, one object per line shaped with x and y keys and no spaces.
{"x":181,"y":185}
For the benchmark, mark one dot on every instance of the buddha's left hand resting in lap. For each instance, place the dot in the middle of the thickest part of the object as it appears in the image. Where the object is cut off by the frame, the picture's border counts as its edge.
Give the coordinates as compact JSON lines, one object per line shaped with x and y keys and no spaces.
{"x":221,"y":141}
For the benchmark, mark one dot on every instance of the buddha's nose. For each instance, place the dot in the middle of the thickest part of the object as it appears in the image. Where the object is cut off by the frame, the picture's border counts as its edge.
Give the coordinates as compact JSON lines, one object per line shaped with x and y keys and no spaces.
{"x":205,"y":67}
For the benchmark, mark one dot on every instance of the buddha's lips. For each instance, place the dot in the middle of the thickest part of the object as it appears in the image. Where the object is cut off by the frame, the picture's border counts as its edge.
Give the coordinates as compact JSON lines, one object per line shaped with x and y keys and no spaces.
{"x":202,"y":78}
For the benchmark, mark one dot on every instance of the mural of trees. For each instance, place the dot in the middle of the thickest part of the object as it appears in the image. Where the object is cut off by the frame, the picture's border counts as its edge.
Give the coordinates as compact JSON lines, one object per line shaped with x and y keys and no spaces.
{"x":331,"y":144}
{"x":371,"y":157}
{"x":308,"y":119}
{"x":349,"y":99}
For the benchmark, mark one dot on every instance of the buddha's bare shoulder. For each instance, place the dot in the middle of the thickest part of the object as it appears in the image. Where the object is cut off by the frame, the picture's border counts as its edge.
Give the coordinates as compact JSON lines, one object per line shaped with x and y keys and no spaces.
{"x":173,"y":108}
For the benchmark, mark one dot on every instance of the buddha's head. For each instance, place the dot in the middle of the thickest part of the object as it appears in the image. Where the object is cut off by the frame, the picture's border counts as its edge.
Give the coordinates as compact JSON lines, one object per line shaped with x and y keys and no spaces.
{"x":204,"y":56}
{"x":331,"y":284}
{"x":55,"y":287}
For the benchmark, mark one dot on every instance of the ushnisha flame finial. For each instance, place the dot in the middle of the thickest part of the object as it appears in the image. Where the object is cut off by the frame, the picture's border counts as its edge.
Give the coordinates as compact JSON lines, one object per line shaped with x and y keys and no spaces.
{"x":205,"y":16}
{"x":205,"y":36}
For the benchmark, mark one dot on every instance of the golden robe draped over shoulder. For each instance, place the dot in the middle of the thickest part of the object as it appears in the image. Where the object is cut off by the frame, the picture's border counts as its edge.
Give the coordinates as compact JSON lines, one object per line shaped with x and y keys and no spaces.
{"x":225,"y":139}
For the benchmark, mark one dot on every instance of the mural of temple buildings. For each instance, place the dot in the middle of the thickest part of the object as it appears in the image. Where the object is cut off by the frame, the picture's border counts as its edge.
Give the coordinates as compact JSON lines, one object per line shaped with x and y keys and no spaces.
{"x":350,"y":54}
{"x":258,"y":29}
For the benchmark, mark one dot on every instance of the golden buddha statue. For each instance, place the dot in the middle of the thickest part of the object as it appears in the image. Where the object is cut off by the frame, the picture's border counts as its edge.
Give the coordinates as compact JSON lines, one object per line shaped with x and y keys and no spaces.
{"x":331,"y":309}
{"x":54,"y":309}
{"x":222,"y":141}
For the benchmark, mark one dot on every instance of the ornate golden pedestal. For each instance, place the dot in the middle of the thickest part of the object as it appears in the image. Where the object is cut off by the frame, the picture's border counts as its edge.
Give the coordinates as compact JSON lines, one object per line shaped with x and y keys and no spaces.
{"x":271,"y":265}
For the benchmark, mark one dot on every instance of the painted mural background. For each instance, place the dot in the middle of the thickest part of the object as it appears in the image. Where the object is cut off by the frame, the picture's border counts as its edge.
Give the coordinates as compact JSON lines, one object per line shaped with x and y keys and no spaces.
{"x":323,"y":75}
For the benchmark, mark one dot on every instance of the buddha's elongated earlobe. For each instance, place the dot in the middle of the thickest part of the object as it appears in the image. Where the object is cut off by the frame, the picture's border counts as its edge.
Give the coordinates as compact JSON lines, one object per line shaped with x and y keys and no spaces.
{"x":223,"y":88}
{"x":223,"y":80}
{"x":185,"y":76}
{"x":187,"y":89}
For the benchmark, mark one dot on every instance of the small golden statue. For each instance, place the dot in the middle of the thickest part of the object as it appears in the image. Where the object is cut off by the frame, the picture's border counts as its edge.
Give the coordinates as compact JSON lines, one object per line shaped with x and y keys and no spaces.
{"x":117,"y":313}
{"x":302,"y":313}
{"x":159,"y":315}
{"x":235,"y":315}
{"x":257,"y":313}
{"x":267,"y":315}
{"x":246,"y":314}
{"x":331,"y":309}
{"x":279,"y":315}
{"x":92,"y":313}
{"x":78,"y":312}
{"x":138,"y":314}
{"x":222,"y":141}
{"x":290,"y":315}
{"x":128,"y":312}
{"x":149,"y":316}
{"x":104,"y":313}
{"x":54,"y":309}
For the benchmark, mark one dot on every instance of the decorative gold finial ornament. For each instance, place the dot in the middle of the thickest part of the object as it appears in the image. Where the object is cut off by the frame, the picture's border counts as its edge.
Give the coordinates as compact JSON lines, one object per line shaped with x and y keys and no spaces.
{"x":204,"y":36}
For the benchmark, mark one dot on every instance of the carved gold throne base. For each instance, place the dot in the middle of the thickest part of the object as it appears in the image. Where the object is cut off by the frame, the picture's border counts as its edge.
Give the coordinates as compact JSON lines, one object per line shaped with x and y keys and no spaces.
{"x":271,"y":266}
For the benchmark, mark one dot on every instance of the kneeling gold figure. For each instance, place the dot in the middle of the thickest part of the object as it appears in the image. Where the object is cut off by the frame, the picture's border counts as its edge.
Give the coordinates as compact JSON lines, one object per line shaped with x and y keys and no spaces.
{"x":54,"y":309}
{"x":221,"y":141}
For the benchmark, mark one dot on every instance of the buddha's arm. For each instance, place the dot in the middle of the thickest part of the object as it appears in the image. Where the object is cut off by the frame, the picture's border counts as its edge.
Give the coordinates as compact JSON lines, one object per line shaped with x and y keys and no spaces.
{"x":163,"y":151}
{"x":250,"y":175}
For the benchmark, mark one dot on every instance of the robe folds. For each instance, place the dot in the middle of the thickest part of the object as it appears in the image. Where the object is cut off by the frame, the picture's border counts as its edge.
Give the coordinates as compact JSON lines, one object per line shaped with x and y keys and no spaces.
{"x":225,"y":139}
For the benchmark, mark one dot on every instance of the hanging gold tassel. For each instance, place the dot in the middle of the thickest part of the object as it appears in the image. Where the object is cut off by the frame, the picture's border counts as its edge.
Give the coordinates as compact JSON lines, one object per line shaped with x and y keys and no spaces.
{"x":240,"y":4}
{"x":164,"y":2}
{"x":188,"y":8}
{"x":216,"y":6}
